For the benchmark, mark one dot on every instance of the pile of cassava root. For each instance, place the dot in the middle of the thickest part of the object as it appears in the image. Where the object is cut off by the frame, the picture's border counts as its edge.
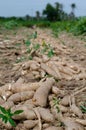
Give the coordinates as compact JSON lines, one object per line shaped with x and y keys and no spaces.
{"x":44,"y":105}
{"x":35,"y":90}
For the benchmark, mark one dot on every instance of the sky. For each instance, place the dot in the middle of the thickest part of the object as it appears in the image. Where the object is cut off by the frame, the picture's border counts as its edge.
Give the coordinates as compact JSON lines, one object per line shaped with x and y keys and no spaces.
{"x":23,"y":7}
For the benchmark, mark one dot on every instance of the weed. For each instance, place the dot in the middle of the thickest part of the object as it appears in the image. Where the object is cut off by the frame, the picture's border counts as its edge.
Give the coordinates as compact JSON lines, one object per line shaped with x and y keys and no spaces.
{"x":28,"y":43}
{"x":45,"y":49}
{"x":28,"y":50}
{"x":56,"y":103}
{"x":10,"y":24}
{"x":30,"y":58}
{"x":20,"y":59}
{"x":83,"y":107}
{"x":50,"y":53}
{"x":18,"y":44}
{"x":6,"y":115}
{"x":36,"y":47}
{"x":33,"y":36}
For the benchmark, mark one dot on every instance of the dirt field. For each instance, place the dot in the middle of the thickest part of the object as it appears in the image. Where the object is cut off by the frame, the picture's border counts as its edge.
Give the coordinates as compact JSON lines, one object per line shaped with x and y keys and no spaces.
{"x":70,"y":79}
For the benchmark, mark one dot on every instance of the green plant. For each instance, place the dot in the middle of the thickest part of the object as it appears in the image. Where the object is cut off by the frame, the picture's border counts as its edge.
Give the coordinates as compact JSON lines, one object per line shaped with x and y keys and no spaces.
{"x":36,"y":46}
{"x":44,"y":24}
{"x":30,"y":57}
{"x":83,"y":107}
{"x":20,"y":59}
{"x":6,"y":115}
{"x":56,"y":103}
{"x":28,"y":50}
{"x":80,"y":27}
{"x":18,"y":44}
{"x":33,"y":36}
{"x":50,"y":53}
{"x":28,"y":43}
{"x":10,"y":24}
{"x":47,"y":48}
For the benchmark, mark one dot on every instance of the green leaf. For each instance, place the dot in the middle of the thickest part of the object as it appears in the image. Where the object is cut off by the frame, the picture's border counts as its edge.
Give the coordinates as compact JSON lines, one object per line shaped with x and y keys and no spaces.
{"x":7,"y":115}
{"x":10,"y":114}
{"x":12,"y":122}
{"x":5,"y":119}
{"x":44,"y":44}
{"x":1,"y":116}
{"x":34,"y":35}
{"x":3,"y":110}
{"x":83,"y":108}
{"x":9,"y":110}
{"x":18,"y":112}
{"x":28,"y":50}
{"x":50,"y":53}
{"x":36,"y":47}
{"x":30,"y":57}
{"x":28,"y":43}
{"x":57,"y":108}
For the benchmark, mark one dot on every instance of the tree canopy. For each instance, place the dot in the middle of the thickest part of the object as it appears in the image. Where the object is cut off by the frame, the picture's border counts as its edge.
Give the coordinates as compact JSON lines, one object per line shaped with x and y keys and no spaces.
{"x":53,"y":13}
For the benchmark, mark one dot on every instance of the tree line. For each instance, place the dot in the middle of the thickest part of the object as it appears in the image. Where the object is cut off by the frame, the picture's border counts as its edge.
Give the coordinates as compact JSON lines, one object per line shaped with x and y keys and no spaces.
{"x":52,"y":13}
{"x":56,"y":12}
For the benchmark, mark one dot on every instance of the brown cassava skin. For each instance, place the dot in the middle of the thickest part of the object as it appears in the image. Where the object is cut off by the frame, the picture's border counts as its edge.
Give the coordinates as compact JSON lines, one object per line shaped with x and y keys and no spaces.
{"x":8,"y":104}
{"x":71,"y":125}
{"x":66,"y":100}
{"x":34,"y":66}
{"x":25,"y":87}
{"x":8,"y":87}
{"x":6,"y":94}
{"x":28,"y":124}
{"x":41,"y":94}
{"x":45,"y":58}
{"x":49,"y":70}
{"x":76,"y":110}
{"x":36,"y":128}
{"x":5,"y":126}
{"x":46,"y":115}
{"x":62,"y":108}
{"x":37,"y":59}
{"x":27,"y":113}
{"x":28,"y":64}
{"x":45,"y":125}
{"x":81,"y":121}
{"x":29,"y":103}
{"x":20,"y":126}
{"x":2,"y":101}
{"x":22,"y":96}
{"x":54,"y":112}
{"x":19,"y":82}
{"x":4,"y":88}
{"x":55,"y":68}
{"x":57,"y":91}
{"x":53,"y":128}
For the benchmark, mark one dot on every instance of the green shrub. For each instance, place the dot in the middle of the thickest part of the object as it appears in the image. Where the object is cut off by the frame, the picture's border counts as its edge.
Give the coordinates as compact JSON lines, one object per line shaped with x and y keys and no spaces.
{"x":28,"y":24}
{"x":43,"y":24}
{"x":10,"y":24}
{"x":80,"y":27}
